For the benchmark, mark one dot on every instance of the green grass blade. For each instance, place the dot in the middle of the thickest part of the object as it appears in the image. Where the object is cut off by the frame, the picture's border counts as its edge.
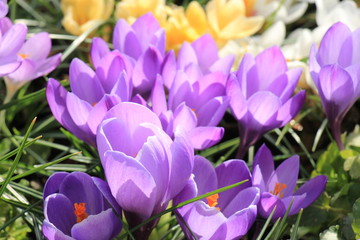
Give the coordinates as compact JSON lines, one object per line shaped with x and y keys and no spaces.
{"x":14,"y":152}
{"x":275,"y":226}
{"x":283,"y":221}
{"x":266,"y":224}
{"x":319,"y":133}
{"x":17,"y":158}
{"x":296,"y":226}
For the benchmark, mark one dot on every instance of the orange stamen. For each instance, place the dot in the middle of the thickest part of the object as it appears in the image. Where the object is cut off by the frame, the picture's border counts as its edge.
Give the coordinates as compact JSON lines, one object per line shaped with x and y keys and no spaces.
{"x":212,"y":200}
{"x":278,"y":189}
{"x":23,"y":56}
{"x":80,"y":212}
{"x":193,"y":109}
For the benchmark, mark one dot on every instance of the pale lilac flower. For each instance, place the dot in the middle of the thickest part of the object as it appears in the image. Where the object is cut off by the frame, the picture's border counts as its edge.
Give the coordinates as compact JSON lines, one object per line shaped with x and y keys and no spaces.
{"x":261,"y":95}
{"x":145,"y":169}
{"x":77,"y":206}
{"x":277,"y":185}
{"x":4,"y":8}
{"x":334,"y":67}
{"x":227,"y":215}
{"x":93,"y":94}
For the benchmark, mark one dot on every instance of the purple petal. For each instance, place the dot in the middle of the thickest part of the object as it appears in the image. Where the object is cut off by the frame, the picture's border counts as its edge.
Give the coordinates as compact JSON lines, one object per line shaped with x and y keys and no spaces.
{"x":205,"y":175}
{"x":286,"y":173}
{"x":146,"y":70}
{"x":125,"y":39}
{"x":213,"y":111}
{"x":25,"y":72}
{"x":98,"y":50}
{"x":293,"y":76}
{"x":189,"y":191}
{"x":6,"y":68}
{"x":223,"y":65}
{"x":145,"y":27}
{"x":247,"y":76}
{"x":181,"y":164}
{"x":131,"y":184}
{"x":267,"y":203}
{"x":204,"y":220}
{"x":332,"y":42}
{"x":184,"y":118}
{"x":59,"y":211}
{"x":102,"y":226}
{"x":110,"y":201}
{"x":53,"y":183}
{"x":84,"y":83}
{"x":4,"y":8}
{"x":186,"y":56}
{"x":51,"y":232}
{"x":237,"y":103}
{"x":313,"y":189}
{"x":80,"y":188}
{"x":205,"y":137}
{"x":291,"y":108}
{"x":169,"y":69}
{"x":231,"y":172}
{"x":265,"y":160}
{"x":13,"y":40}
{"x":238,"y":224}
{"x":48,"y":65}
{"x":122,"y":87}
{"x":37,"y":47}
{"x":180,"y":91}
{"x":208,"y":57}
{"x":257,"y":179}
{"x":158,"y":97}
{"x":263,"y":107}
{"x":271,"y":63}
{"x":79,"y":111}
{"x":245,"y":198}
{"x":297,"y":202}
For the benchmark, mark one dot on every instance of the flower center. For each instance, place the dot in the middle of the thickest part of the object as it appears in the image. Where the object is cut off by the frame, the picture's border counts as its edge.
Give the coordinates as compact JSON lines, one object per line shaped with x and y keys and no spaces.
{"x":80,"y":211}
{"x":23,"y":56}
{"x":278,"y":190}
{"x":212,"y":200}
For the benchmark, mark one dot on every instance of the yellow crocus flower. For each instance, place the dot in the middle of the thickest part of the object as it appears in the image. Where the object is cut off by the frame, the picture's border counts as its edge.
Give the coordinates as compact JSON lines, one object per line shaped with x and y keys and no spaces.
{"x":130,"y":10}
{"x":79,"y":15}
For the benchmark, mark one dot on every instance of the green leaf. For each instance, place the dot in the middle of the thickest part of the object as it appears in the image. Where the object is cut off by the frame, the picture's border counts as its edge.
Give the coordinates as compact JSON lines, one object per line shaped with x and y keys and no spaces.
{"x":356,"y":215}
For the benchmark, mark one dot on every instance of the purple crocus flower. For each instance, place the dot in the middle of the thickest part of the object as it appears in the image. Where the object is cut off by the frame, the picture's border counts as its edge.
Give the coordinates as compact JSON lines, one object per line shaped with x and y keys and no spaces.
{"x":33,"y":56}
{"x":145,"y":169}
{"x":277,"y":185}
{"x":144,"y":43}
{"x":12,"y":38}
{"x":93,"y":94}
{"x":334,"y":68}
{"x":77,"y":206}
{"x":261,"y":95}
{"x":227,"y":215}
{"x":4,"y":8}
{"x":195,"y":108}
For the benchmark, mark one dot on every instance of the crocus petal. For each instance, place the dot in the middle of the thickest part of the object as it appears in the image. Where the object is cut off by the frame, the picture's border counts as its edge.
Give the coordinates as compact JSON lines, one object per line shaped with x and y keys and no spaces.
{"x":145,"y":27}
{"x":330,"y":46}
{"x":131,"y":184}
{"x":79,"y":111}
{"x":158,"y":97}
{"x":267,"y":203}
{"x":51,"y":232}
{"x":201,"y":213}
{"x":13,"y":40}
{"x":98,"y":50}
{"x":291,"y":108}
{"x":184,"y":118}
{"x":125,"y":39}
{"x":205,"y":175}
{"x":213,"y":111}
{"x":169,"y":69}
{"x":37,"y":47}
{"x":63,"y":218}
{"x":205,"y":137}
{"x":297,"y":203}
{"x":231,"y":172}
{"x":286,"y":173}
{"x":265,"y":160}
{"x":257,"y":179}
{"x":106,"y":192}
{"x":247,"y":76}
{"x":25,"y":72}
{"x":208,"y":57}
{"x":313,"y":189}
{"x":242,"y":200}
{"x":102,"y":226}
{"x":80,"y":188}
{"x":237,"y":102}
{"x":186,"y":56}
{"x":52,"y":185}
{"x":48,"y":65}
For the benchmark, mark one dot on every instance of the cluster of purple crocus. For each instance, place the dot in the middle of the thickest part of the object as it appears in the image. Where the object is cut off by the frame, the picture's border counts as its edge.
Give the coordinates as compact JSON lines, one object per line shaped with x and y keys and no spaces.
{"x":22,"y":60}
{"x":146,"y":110}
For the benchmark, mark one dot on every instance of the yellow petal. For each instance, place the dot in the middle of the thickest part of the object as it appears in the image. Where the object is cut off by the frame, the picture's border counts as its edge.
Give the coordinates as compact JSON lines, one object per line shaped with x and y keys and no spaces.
{"x":196,"y":16}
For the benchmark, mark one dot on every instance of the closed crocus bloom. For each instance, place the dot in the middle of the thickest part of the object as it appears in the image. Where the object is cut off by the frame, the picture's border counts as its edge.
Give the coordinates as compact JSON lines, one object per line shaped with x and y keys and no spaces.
{"x":334,"y":67}
{"x":80,"y":15}
{"x":228,"y":20}
{"x":130,"y":10}
{"x":261,"y":95}
{"x":93,"y":93}
{"x":277,"y":185}
{"x":145,"y":169}
{"x":77,"y":206}
{"x":144,"y":44}
{"x":12,"y":38}
{"x":222,"y":216}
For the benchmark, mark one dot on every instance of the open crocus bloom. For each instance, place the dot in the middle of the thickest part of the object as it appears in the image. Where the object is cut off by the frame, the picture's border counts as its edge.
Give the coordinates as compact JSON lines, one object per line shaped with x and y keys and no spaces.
{"x":12,"y":38}
{"x":4,"y":8}
{"x":93,"y":93}
{"x":334,"y":68}
{"x":77,"y":206}
{"x":261,"y":95}
{"x":227,"y":215}
{"x":277,"y":185}
{"x":145,"y":169}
